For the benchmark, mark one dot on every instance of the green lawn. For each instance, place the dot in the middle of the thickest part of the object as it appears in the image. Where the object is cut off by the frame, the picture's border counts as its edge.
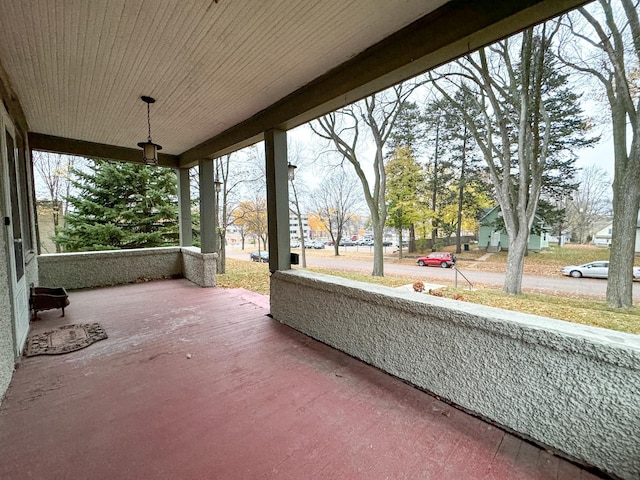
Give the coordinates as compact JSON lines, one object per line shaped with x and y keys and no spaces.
{"x":255,"y":277}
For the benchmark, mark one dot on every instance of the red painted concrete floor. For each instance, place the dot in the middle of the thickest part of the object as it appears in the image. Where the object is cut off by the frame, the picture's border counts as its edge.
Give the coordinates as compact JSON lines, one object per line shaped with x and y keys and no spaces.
{"x":255,"y":400}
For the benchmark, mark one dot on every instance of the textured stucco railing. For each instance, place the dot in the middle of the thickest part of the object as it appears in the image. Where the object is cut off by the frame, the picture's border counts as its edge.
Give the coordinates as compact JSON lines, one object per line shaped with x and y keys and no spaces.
{"x":570,"y":387}
{"x":200,"y":268}
{"x":112,"y":267}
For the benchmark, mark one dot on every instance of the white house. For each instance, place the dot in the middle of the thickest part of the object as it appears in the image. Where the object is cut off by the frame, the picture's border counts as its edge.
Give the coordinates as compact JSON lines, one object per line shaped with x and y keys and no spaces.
{"x":602,"y":238}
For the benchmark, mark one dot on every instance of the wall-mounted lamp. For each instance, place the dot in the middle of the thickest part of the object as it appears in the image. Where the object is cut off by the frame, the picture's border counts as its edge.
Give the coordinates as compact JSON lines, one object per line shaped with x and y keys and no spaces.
{"x":292,"y":171}
{"x":149,"y":149}
{"x":217,"y":185}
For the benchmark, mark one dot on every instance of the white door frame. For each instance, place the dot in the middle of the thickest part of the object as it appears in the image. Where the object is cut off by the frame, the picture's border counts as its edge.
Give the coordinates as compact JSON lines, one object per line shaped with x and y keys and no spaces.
{"x":18,"y":287}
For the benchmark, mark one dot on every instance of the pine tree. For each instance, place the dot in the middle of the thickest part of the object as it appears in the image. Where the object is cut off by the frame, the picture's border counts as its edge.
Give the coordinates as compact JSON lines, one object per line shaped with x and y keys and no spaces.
{"x":119,"y":206}
{"x":408,"y":135}
{"x":404,"y":175}
{"x":439,"y":166}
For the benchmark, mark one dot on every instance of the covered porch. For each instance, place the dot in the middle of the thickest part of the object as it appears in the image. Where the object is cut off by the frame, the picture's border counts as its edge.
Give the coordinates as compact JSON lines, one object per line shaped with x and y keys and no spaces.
{"x":256,"y":399}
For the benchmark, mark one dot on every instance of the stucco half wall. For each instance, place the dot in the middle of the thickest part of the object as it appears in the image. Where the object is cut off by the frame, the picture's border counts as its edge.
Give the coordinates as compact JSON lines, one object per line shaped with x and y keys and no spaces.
{"x":570,"y":387}
{"x":112,"y":267}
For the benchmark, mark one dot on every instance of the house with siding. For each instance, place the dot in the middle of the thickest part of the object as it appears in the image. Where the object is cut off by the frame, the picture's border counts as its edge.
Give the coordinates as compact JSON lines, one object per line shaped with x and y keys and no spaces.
{"x":492,"y":237}
{"x":603,"y":237}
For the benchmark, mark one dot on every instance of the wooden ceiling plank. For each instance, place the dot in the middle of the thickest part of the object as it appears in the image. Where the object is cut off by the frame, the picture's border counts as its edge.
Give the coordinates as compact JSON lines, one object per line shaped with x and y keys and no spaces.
{"x":452,"y":30}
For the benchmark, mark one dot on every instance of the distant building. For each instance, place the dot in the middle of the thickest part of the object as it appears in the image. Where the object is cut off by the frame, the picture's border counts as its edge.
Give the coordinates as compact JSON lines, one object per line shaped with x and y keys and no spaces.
{"x":603,"y":237}
{"x":46,"y":228}
{"x":294,"y":227}
{"x":495,"y":239}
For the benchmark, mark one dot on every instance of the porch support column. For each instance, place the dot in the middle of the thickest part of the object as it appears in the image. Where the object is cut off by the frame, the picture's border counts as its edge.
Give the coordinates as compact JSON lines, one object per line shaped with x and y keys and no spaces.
{"x":275,"y":142}
{"x":184,"y":207}
{"x":207,"y":206}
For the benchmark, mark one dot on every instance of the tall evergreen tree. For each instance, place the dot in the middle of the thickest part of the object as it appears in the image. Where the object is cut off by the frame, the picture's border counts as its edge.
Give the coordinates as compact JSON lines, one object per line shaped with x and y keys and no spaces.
{"x":469,"y":179}
{"x":121,"y":205}
{"x":408,"y":134}
{"x":408,"y":131}
{"x":439,"y":172}
{"x":404,"y":175}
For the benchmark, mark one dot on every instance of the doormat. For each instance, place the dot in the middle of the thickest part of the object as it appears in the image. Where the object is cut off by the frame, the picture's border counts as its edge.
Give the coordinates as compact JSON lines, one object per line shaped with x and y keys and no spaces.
{"x":64,"y":339}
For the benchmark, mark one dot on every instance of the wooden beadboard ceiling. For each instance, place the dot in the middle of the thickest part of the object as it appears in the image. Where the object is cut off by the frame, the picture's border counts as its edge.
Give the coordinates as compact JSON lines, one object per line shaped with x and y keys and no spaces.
{"x":79,"y":67}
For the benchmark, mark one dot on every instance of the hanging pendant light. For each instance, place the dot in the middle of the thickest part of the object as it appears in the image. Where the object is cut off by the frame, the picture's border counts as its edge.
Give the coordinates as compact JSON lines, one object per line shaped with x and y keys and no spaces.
{"x":149,"y":149}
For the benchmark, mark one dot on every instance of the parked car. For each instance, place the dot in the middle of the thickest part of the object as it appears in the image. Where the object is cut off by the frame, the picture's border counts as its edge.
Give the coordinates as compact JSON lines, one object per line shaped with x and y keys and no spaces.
{"x":346,"y":242}
{"x":437,"y":259}
{"x":262,"y":256}
{"x":594,"y":270}
{"x":318,"y":244}
{"x":387,"y":243}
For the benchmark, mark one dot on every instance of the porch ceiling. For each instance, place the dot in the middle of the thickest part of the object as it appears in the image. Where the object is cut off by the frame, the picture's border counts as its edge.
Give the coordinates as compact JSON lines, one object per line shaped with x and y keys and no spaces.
{"x":223,"y":71}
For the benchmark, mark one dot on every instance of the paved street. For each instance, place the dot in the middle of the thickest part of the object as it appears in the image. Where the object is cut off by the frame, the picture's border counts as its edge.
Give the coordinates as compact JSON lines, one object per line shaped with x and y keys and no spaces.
{"x":554,"y":284}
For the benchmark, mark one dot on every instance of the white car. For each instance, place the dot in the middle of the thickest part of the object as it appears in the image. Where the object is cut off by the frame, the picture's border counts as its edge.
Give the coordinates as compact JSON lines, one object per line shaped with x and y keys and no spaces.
{"x":594,"y":269}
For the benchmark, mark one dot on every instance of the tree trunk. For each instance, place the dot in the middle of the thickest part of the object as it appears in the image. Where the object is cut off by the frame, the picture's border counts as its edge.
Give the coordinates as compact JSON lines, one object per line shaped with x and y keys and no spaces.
{"x":626,"y":199}
{"x":434,"y":198}
{"x":378,"y":252}
{"x":515,"y":264}
{"x":222,"y":254}
{"x":303,"y":248}
{"x":55,"y":210}
{"x":461,"y":189}
{"x":412,"y":238}
{"x":222,"y":233}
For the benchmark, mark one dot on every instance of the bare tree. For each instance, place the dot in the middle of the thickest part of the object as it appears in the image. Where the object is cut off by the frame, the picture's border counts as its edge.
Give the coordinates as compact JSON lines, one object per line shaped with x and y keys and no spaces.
{"x":234,"y":172}
{"x":608,"y":49}
{"x":54,"y":173}
{"x":345,"y":129}
{"x":590,"y":203}
{"x":252,"y":214}
{"x":298,"y":159}
{"x":335,"y":202}
{"x":233,"y":175}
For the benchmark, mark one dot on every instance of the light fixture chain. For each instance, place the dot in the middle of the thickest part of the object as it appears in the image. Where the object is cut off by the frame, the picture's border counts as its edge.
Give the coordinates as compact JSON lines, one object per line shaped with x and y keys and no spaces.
{"x":149,"y":120}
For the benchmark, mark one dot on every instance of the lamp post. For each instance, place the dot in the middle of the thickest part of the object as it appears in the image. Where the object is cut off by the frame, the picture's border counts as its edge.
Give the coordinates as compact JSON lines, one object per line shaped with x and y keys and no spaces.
{"x":292,"y":177}
{"x":217,"y":186}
